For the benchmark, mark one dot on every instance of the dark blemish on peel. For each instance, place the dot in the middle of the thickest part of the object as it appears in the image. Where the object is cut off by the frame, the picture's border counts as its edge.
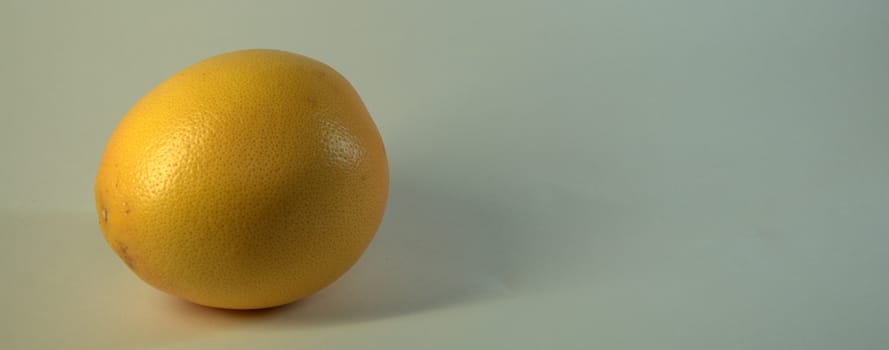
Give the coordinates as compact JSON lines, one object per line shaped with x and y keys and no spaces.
{"x":104,"y":214}
{"x":125,"y":255}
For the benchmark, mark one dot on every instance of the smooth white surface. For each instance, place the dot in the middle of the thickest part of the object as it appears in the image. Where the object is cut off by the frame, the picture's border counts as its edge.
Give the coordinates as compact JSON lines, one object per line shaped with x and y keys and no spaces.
{"x":568,"y":175}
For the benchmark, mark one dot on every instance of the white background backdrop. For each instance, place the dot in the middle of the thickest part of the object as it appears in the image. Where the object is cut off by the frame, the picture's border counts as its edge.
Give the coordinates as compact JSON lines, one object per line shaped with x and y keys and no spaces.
{"x":567,"y":174}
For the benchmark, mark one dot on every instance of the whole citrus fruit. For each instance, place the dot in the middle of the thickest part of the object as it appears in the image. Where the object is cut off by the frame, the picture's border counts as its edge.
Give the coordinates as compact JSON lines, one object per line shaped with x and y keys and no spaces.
{"x":248,"y":180}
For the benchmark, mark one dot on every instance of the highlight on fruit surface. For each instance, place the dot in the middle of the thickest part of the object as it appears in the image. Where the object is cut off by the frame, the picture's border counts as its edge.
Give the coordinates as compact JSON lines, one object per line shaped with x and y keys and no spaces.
{"x":248,"y":180}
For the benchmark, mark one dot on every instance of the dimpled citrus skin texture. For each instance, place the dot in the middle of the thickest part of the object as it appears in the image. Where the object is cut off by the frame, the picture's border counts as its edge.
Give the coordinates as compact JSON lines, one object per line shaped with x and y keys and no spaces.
{"x":248,"y":180}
